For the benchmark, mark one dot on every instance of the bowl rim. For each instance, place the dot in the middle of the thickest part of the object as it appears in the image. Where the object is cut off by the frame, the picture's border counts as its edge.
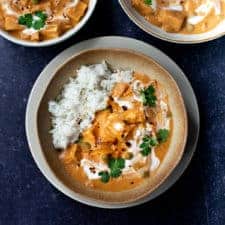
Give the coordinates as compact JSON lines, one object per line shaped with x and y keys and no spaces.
{"x":57,"y":40}
{"x":162,"y":37}
{"x":63,"y":187}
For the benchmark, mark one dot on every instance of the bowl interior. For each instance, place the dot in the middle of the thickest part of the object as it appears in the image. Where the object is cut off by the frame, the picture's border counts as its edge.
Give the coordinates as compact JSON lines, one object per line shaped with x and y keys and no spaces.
{"x":118,"y":59}
{"x":140,"y":21}
{"x":68,"y":34}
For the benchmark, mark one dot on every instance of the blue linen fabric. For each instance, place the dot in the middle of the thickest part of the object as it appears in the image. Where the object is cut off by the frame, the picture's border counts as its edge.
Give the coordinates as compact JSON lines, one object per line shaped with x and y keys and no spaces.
{"x":27,"y":198}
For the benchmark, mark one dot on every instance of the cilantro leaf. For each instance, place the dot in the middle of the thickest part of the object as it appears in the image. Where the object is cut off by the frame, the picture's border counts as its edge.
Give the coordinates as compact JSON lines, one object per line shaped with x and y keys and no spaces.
{"x":162,"y":135}
{"x":38,"y":24}
{"x":115,"y":172}
{"x":104,"y":176}
{"x":146,"y":151}
{"x":148,"y":96}
{"x":36,"y":21}
{"x":147,"y":143}
{"x":153,"y":142}
{"x":26,"y":20}
{"x":116,"y":166}
{"x":41,"y":15}
{"x":148,"y":2}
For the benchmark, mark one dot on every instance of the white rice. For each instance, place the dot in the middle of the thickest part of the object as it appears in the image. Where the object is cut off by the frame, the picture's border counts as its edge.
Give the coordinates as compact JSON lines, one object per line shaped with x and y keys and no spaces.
{"x":80,"y":99}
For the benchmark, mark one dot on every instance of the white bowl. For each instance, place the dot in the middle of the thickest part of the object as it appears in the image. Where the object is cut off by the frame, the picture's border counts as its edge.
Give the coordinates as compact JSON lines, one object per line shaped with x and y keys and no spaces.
{"x":68,"y":34}
{"x":155,"y":31}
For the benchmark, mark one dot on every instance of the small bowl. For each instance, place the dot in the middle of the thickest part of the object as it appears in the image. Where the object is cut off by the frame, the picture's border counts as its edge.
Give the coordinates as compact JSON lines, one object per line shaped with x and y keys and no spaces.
{"x":157,"y":32}
{"x":38,"y":124}
{"x":54,"y":41}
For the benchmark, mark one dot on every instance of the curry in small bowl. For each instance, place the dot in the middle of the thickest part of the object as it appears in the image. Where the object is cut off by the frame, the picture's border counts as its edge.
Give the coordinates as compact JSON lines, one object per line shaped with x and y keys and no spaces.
{"x":40,"y":20}
{"x":182,"y":16}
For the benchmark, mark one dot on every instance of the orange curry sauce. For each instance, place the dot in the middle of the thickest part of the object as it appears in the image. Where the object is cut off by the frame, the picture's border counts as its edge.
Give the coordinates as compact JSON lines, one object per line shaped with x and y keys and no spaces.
{"x":101,"y":139}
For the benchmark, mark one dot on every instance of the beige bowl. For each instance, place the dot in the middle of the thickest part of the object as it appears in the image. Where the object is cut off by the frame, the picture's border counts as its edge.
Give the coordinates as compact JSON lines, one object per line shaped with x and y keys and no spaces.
{"x":118,"y":59}
{"x":155,"y":31}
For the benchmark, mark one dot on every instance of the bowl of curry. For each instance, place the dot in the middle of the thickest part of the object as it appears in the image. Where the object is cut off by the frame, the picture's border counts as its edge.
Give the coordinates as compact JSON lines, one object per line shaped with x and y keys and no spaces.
{"x":111,"y":125}
{"x":180,"y":21}
{"x":37,"y":23}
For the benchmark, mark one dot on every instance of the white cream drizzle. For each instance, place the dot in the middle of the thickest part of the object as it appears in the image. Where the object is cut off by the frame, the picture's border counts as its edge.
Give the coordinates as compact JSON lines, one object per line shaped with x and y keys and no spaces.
{"x":200,"y":13}
{"x":203,"y":11}
{"x":98,"y":167}
{"x":155,"y":162}
{"x":29,"y":31}
{"x":174,"y":5}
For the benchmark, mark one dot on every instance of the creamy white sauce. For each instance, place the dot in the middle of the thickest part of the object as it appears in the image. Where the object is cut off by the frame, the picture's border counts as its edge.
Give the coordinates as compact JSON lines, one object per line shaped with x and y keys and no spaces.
{"x":29,"y":31}
{"x":73,"y":3}
{"x":154,"y":5}
{"x":164,"y":123}
{"x":174,"y":7}
{"x":92,"y":169}
{"x":203,"y":11}
{"x":155,"y":162}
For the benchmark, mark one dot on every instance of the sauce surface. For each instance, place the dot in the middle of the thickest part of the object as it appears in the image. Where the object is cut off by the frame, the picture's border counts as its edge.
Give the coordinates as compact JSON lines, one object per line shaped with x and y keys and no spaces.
{"x":20,"y":18}
{"x":182,"y":16}
{"x":117,"y":132}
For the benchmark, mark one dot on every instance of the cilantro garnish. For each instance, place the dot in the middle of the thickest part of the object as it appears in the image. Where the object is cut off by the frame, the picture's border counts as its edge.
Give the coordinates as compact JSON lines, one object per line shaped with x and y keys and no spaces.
{"x":147,"y":143}
{"x":104,"y":176}
{"x":116,"y":166}
{"x":26,"y":20}
{"x":148,"y":96}
{"x":148,"y":2}
{"x":162,"y":135}
{"x":36,"y":20}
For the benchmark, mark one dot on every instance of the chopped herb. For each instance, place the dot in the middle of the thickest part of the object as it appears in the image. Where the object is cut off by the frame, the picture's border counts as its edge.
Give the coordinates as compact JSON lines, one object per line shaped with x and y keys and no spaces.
{"x":148,"y":2}
{"x":162,"y":135}
{"x":41,"y":15}
{"x":148,"y":96}
{"x":147,"y":143}
{"x":36,"y":20}
{"x":104,"y":176}
{"x":146,"y":151}
{"x":153,"y":142}
{"x":116,"y":166}
{"x":26,"y":20}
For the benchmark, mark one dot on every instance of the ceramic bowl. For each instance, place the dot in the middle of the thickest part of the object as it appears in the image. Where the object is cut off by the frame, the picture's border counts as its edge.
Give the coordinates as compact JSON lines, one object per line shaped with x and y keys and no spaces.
{"x":157,"y":32}
{"x":40,"y":139}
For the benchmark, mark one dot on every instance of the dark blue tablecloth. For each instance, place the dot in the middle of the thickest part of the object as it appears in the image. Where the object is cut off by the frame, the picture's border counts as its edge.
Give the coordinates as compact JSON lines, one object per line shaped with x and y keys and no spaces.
{"x":27,"y":198}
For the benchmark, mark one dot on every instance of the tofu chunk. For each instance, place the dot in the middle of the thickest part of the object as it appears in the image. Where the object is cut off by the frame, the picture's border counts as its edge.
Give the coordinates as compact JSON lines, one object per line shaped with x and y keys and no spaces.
{"x":172,"y":21}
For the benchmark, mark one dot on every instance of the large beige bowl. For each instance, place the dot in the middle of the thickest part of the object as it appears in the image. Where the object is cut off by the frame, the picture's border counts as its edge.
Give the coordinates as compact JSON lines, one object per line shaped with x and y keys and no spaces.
{"x":42,"y":142}
{"x":155,"y":31}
